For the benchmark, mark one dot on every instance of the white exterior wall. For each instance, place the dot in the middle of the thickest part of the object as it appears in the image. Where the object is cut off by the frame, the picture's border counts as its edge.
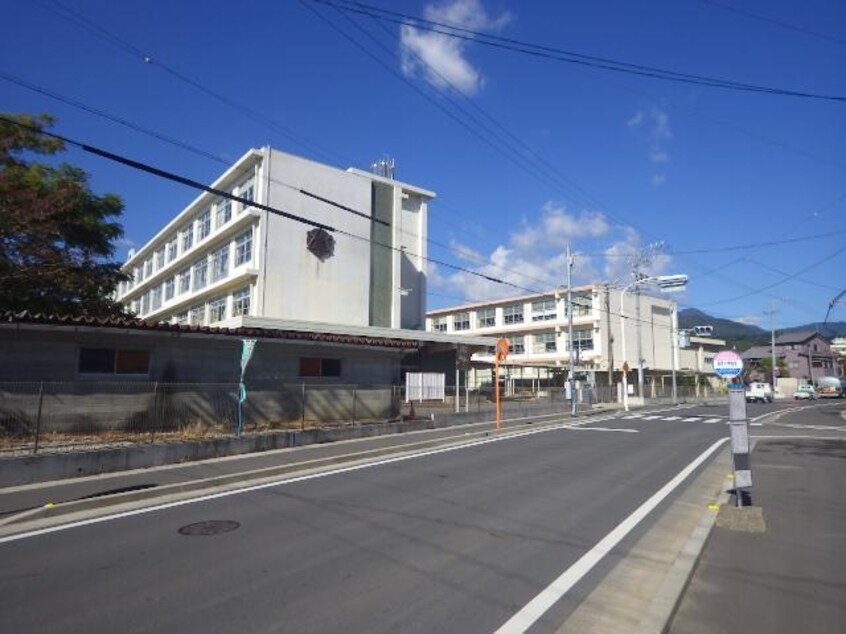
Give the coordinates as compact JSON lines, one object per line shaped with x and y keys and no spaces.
{"x":297,"y":284}
{"x":286,"y":280}
{"x":656,"y":316}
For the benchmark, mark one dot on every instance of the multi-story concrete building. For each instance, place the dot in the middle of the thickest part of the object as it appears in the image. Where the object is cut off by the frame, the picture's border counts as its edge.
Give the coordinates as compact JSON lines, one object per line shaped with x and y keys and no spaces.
{"x":536,"y":327}
{"x":357,"y":261}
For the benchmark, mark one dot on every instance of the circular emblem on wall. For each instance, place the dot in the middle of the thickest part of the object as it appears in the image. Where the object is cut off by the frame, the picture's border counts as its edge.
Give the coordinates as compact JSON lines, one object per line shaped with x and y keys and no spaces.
{"x":321,"y":243}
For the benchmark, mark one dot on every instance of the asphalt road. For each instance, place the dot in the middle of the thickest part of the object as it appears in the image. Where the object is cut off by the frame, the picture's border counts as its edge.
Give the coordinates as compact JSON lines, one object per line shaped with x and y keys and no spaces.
{"x":452,"y":541}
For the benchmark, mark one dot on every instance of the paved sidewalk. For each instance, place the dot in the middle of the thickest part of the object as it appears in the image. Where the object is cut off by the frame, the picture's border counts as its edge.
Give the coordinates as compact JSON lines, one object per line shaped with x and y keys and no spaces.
{"x":787,"y":573}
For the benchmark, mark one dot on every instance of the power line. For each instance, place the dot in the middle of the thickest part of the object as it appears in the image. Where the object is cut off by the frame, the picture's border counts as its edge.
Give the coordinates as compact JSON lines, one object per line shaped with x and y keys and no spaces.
{"x":784,"y":25}
{"x":461,"y":252}
{"x":127,"y":47}
{"x":245,"y":201}
{"x":562,"y":55}
{"x":802,"y":271}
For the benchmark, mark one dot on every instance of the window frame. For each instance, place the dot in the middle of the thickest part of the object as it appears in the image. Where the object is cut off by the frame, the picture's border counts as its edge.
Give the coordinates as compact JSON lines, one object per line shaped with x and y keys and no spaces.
{"x":516,"y":316}
{"x":113,"y":358}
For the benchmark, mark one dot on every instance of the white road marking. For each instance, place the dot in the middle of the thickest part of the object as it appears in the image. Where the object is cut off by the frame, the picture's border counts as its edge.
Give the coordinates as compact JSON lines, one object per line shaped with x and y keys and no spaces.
{"x":814,"y":427}
{"x":651,"y":417}
{"x":628,"y":431}
{"x":756,"y":424}
{"x":633,"y":416}
{"x":672,"y":418}
{"x":712,"y":420}
{"x":537,"y":607}
{"x":282,"y":482}
{"x":691,"y":419}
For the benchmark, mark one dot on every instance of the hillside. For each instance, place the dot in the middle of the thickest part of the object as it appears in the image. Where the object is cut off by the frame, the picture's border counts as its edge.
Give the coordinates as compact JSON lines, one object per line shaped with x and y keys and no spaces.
{"x":736,"y":335}
{"x":743,"y":336}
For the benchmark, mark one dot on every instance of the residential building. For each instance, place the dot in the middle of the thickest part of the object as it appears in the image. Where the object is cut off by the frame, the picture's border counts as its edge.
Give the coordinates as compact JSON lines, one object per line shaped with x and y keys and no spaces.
{"x":807,"y":355}
{"x":356,"y":260}
{"x":536,"y":327}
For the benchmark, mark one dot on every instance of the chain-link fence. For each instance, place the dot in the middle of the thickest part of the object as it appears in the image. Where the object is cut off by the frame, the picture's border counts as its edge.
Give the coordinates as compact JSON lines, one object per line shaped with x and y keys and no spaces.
{"x":37,"y":416}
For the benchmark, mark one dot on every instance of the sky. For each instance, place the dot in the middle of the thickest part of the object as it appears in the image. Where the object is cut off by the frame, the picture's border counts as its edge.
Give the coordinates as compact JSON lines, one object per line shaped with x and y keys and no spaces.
{"x":744,"y":192}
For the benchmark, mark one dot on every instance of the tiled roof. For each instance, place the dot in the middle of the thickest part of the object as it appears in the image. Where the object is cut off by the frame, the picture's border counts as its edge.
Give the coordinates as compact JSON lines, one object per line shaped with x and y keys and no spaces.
{"x":798,"y":337}
{"x":126,"y":323}
{"x":758,"y":352}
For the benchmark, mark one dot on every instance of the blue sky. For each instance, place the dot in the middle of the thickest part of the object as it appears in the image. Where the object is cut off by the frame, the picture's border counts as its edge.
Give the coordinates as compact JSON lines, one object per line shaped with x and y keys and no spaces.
{"x":604,"y":161}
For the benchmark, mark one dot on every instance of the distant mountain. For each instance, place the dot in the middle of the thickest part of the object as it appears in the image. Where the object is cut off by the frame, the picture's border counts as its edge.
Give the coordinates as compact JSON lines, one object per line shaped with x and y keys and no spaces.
{"x":743,"y":336}
{"x":831,"y":328}
{"x":735,"y":334}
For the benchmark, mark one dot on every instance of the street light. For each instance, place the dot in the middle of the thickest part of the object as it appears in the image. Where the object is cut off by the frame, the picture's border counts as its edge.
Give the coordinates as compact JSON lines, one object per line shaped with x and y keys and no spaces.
{"x":666,"y":283}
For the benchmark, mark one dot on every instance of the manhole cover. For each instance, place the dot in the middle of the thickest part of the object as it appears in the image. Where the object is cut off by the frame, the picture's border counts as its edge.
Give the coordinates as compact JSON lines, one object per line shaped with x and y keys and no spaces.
{"x":211,"y":527}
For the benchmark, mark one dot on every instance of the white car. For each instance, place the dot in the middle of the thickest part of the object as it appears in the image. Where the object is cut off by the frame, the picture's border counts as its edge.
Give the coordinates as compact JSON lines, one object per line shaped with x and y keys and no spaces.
{"x":759,"y":392}
{"x":805,"y":391}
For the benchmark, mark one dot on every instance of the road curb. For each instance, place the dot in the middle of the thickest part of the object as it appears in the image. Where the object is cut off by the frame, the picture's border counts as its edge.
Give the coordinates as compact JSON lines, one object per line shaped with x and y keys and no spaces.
{"x":151,"y":496}
{"x":665,"y":604}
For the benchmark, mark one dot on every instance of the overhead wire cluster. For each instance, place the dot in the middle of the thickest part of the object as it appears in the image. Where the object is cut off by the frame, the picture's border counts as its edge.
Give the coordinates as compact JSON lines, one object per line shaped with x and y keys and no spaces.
{"x":562,"y":55}
{"x":493,"y":133}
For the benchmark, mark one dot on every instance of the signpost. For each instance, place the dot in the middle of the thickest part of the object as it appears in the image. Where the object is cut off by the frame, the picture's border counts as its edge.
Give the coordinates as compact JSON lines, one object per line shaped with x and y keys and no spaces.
{"x":501,"y":353}
{"x":729,"y":366}
{"x":463,"y":356}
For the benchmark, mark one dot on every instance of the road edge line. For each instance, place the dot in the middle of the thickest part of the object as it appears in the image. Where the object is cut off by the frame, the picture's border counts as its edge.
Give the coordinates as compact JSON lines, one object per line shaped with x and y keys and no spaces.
{"x":546,"y":598}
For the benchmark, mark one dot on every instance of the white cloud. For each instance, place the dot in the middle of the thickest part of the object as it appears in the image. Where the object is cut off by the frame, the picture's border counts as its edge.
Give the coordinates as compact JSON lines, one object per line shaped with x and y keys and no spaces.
{"x":441,"y":59}
{"x":653,"y":127}
{"x":534,"y":259}
{"x":463,"y":252}
{"x":749,"y":320}
{"x":620,"y":256}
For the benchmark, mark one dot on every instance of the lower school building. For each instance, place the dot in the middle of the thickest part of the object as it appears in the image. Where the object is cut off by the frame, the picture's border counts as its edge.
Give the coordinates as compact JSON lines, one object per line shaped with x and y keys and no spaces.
{"x":82,"y":373}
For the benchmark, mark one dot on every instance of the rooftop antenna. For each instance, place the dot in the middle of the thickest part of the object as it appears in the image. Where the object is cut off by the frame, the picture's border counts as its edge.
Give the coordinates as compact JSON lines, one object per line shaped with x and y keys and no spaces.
{"x":385,"y":167}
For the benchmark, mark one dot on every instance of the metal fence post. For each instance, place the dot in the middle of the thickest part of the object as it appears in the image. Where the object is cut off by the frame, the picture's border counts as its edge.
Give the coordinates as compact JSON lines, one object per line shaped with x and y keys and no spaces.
{"x":302,"y":420}
{"x":38,"y":418}
{"x":155,"y":411}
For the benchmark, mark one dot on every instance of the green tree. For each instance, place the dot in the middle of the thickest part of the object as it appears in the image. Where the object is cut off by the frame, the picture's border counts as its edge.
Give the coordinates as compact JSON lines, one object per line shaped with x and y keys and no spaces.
{"x":56,"y":236}
{"x":765,"y":365}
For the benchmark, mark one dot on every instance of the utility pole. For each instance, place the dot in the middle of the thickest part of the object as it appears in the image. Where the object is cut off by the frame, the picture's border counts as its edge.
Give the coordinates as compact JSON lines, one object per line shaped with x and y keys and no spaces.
{"x":639,"y":344}
{"x":674,"y":342}
{"x":570,"y":356}
{"x":609,"y":337}
{"x":771,"y":312}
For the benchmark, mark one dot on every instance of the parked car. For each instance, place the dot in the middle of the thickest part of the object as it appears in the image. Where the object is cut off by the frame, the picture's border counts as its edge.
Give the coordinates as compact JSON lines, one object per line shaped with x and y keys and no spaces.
{"x":805,"y":392}
{"x":829,"y":387}
{"x":758,"y":392}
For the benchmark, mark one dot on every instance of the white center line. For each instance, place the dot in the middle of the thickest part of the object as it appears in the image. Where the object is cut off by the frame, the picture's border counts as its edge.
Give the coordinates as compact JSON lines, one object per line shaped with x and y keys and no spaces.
{"x":712,"y":420}
{"x":537,"y":607}
{"x":691,"y":419}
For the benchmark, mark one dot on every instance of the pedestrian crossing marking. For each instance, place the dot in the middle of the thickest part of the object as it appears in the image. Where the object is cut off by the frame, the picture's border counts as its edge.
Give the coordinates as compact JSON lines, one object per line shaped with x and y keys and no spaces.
{"x":814,"y":427}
